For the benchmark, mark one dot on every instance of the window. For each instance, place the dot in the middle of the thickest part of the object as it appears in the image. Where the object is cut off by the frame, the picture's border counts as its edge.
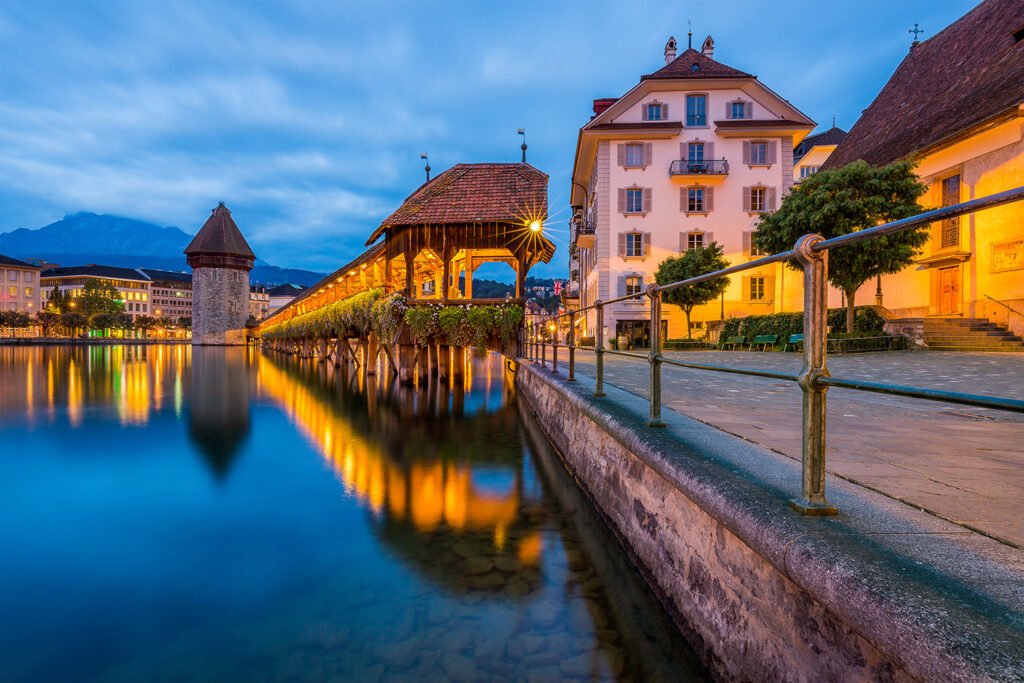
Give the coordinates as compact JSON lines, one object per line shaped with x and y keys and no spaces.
{"x":951,"y":226}
{"x":737,"y":110}
{"x":634,"y":154}
{"x":634,"y":200}
{"x":696,"y":110}
{"x":808,"y":170}
{"x":634,"y":285}
{"x":695,"y":152}
{"x":694,"y":240}
{"x":695,"y":200}
{"x":28,"y":292}
{"x":634,"y":244}
{"x":12,"y":275}
{"x":758,"y":199}
{"x":654,"y":112}
{"x":758,"y":153}
{"x":12,"y":290}
{"x":757,"y":288}
{"x":750,"y":247}
{"x":28,"y":277}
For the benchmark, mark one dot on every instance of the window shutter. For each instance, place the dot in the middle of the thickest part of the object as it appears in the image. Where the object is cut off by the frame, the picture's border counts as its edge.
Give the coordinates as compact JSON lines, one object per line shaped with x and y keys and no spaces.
{"x":746,"y":151}
{"x":622,"y":154}
{"x":728,"y":110}
{"x":683,"y":196}
{"x":643,"y":112}
{"x":622,"y":285}
{"x":709,"y":237}
{"x":746,"y":197}
{"x":748,"y":110}
{"x":771,"y":199}
{"x":648,"y":154}
{"x":646,"y":244}
{"x":746,"y":247}
{"x":683,"y":243}
{"x":709,"y":151}
{"x":769,"y":288}
{"x":746,"y":285}
{"x":647,"y":200}
{"x":682,"y":150}
{"x":664,"y":112}
{"x":622,"y":200}
{"x":709,"y":199}
{"x":622,"y":244}
{"x":771,"y":152}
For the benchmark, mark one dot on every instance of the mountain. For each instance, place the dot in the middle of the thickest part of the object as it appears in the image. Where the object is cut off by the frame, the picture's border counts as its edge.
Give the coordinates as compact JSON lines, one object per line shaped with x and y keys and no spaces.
{"x":84,"y":237}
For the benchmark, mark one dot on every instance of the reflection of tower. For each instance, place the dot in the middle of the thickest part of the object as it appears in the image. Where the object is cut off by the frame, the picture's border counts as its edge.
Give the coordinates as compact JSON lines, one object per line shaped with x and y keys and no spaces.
{"x":219,"y":405}
{"x":221,"y":260}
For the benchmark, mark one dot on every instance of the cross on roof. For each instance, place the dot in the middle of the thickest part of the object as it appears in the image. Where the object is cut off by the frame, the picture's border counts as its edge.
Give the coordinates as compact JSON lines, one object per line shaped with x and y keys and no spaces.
{"x":915,"y":31}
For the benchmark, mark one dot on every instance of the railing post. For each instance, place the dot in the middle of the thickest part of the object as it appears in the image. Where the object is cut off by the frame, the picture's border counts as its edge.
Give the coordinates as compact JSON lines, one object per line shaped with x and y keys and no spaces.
{"x":812,"y":500}
{"x":554,"y":347}
{"x":572,"y":348}
{"x":599,"y":351}
{"x":655,"y":356}
{"x":543,"y":350}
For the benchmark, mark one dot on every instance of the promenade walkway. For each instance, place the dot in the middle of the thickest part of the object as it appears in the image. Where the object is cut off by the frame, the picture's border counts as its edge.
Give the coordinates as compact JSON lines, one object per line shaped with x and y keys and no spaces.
{"x":963,"y":464}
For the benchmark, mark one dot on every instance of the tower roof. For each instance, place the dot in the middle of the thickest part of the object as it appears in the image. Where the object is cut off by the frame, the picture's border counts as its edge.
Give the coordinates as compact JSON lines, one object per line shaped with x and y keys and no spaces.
{"x":219,"y":235}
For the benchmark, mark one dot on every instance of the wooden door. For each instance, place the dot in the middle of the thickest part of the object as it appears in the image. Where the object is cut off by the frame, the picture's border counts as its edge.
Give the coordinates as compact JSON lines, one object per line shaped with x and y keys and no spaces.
{"x":949,"y":291}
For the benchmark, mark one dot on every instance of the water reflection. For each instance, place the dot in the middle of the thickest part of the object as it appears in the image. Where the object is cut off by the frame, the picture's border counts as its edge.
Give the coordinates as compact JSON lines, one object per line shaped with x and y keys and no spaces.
{"x":218,"y":413}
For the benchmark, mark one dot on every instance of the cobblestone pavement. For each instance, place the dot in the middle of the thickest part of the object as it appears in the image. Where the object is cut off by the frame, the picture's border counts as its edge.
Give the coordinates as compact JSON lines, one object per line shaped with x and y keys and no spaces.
{"x":962,"y":463}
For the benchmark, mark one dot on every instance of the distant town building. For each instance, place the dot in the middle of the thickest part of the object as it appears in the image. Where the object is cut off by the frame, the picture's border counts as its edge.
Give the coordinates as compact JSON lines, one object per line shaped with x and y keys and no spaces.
{"x":693,"y":154}
{"x":282,"y":295}
{"x":259,"y":302}
{"x":956,"y":106}
{"x":812,"y":152}
{"x":21,"y":289}
{"x":171,"y":293}
{"x":132,"y":285}
{"x":221,"y":260}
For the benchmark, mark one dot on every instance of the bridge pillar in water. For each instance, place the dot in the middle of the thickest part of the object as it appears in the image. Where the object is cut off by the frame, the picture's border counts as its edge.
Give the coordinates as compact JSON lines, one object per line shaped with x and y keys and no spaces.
{"x":323,"y":350}
{"x":373,"y":351}
{"x":406,"y":363}
{"x":458,"y":361}
{"x":443,"y":359}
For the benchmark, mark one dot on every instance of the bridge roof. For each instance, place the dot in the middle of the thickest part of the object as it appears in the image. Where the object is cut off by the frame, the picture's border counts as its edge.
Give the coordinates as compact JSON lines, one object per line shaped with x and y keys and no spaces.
{"x":474,"y":193}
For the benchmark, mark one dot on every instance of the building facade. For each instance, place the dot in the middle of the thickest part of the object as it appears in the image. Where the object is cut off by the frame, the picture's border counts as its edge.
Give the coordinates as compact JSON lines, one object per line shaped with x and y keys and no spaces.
{"x":21,"y":290}
{"x":259,"y":302}
{"x":132,"y":285}
{"x":693,"y":154}
{"x":966,"y":133}
{"x":171,"y":293}
{"x":221,"y":260}
{"x":814,"y":151}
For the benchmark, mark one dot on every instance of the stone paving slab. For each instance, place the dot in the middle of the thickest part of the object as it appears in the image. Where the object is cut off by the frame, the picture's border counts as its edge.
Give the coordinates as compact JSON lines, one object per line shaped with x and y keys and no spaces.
{"x":964,"y":464}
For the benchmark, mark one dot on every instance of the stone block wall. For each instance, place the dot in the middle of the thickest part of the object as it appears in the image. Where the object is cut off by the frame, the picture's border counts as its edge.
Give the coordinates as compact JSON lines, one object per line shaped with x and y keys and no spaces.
{"x":220,"y":306}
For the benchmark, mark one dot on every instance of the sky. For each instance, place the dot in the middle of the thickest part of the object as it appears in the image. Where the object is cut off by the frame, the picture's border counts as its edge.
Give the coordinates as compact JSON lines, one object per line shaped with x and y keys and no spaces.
{"x":308,"y":118}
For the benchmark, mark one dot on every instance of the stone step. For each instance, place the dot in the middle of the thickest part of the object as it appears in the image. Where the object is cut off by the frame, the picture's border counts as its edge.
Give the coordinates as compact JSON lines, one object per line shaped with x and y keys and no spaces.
{"x":979,"y":349}
{"x":980,"y":337}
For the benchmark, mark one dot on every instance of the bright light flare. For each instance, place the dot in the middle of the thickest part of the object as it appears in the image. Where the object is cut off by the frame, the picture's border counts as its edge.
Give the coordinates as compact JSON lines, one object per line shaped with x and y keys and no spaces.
{"x":535,"y":226}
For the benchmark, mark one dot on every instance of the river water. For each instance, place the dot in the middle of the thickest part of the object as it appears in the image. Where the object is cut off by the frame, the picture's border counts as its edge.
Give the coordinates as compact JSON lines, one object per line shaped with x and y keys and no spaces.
{"x":226,"y":515}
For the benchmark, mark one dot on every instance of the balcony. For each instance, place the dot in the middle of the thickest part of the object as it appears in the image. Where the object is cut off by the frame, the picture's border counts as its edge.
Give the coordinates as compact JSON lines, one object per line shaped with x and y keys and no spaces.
{"x":683,"y":168}
{"x":585,"y":235}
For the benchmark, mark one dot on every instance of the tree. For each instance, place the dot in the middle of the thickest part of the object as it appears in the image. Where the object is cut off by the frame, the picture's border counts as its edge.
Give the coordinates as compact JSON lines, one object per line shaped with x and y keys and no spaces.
{"x":696,"y":261}
{"x":100,"y":296}
{"x":844,"y":200}
{"x":48,"y":320}
{"x":73,"y":322}
{"x":14,"y":319}
{"x":146,"y":323}
{"x":57,"y":300}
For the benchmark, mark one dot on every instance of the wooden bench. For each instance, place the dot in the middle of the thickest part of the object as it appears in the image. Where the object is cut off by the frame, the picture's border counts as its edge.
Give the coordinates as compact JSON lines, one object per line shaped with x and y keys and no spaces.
{"x":764,"y":341}
{"x":795,"y":340}
{"x":734,"y":341}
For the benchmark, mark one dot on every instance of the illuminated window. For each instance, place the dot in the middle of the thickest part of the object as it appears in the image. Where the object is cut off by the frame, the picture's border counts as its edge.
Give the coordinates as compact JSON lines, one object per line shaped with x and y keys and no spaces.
{"x":757,"y":288}
{"x":951,"y":226}
{"x":12,"y":290}
{"x":696,"y":110}
{"x":28,"y":292}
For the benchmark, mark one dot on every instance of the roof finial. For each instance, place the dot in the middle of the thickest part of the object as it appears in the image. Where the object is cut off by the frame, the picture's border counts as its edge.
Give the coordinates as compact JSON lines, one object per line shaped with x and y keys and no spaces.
{"x":915,"y":31}
{"x":689,"y":34}
{"x":833,"y":120}
{"x":522,"y":131}
{"x":427,"y":167}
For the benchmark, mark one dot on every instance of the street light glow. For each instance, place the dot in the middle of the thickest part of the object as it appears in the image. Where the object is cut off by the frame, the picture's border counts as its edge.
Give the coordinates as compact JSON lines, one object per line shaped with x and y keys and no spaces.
{"x":535,"y":226}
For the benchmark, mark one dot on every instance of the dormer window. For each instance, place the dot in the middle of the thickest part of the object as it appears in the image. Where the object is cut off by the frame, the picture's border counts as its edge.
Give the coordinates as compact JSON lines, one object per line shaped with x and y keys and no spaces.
{"x":739,"y":110}
{"x":696,"y":110}
{"x":655,"y":111}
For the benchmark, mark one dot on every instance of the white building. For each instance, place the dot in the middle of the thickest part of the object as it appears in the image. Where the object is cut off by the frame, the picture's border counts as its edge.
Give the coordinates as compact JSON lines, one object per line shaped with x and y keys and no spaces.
{"x":694,"y":153}
{"x":132,"y":285}
{"x":20,"y":286}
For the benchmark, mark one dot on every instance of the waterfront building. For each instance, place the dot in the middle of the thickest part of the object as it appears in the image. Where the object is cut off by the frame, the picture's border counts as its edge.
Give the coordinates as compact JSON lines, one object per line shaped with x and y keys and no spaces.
{"x":814,"y":150}
{"x":282,"y":295}
{"x":171,"y":293}
{"x":693,"y":154}
{"x":20,"y":286}
{"x":132,"y":285}
{"x":221,"y":260}
{"x":955,"y":105}
{"x":259,"y":302}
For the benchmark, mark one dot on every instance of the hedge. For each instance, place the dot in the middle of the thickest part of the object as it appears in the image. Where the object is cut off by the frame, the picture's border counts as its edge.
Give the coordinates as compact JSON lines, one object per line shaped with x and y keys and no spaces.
{"x":866,"y":323}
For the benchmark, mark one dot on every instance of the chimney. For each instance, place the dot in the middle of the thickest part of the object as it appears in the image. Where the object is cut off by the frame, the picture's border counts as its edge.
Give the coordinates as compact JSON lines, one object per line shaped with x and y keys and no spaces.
{"x":602,"y":103}
{"x":670,"y":50}
{"x":708,"y":48}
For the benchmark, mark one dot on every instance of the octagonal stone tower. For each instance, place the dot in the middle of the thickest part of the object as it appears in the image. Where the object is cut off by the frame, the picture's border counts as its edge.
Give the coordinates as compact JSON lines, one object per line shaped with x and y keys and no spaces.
{"x":221,"y":260}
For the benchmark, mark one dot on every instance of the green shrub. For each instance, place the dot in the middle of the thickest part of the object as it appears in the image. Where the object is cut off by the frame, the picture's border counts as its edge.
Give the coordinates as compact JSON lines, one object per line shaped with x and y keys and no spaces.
{"x":423,"y":323}
{"x":867,"y":323}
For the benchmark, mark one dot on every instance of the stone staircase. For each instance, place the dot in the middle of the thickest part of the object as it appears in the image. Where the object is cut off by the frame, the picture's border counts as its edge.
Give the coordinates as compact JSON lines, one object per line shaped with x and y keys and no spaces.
{"x":969,"y":334}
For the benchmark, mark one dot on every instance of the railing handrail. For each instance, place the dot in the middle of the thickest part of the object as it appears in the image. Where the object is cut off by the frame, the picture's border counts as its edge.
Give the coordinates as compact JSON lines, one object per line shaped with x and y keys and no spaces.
{"x":814,"y":379}
{"x":702,"y":167}
{"x":1004,"y":305}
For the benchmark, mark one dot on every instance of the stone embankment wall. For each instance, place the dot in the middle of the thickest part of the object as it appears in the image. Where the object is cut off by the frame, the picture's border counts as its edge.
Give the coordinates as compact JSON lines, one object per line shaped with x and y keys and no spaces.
{"x":220,"y":306}
{"x":761,"y":592}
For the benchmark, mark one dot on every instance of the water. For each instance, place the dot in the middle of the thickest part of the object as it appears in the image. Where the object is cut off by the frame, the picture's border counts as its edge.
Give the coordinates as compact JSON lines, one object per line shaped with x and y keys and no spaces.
{"x":222,"y":515}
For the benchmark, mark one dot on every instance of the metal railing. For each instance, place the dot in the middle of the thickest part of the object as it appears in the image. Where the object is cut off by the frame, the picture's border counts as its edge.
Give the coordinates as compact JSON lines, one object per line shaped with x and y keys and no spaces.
{"x":814,"y":379}
{"x":1005,"y":305}
{"x":703,"y":167}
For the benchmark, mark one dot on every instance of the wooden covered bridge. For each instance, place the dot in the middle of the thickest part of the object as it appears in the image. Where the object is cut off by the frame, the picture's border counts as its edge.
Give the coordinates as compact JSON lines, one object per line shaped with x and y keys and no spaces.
{"x":407,"y":301}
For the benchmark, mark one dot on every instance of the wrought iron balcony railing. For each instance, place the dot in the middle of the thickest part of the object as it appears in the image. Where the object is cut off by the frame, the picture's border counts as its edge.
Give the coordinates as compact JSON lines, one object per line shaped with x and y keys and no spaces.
{"x":706,"y":167}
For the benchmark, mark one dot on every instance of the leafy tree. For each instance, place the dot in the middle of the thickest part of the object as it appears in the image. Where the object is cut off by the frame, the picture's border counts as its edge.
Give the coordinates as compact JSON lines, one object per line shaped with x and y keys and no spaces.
{"x":58,"y":300}
{"x":844,"y":200}
{"x":100,"y":296}
{"x":185,"y":323}
{"x":146,"y":323}
{"x":48,"y":320}
{"x":73,"y":321}
{"x":696,"y":261}
{"x":14,"y":319}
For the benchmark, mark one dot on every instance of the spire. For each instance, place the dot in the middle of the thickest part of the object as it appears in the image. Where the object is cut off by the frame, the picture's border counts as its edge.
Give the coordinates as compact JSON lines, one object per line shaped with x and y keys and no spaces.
{"x":689,"y":34}
{"x":427,"y":167}
{"x":670,"y":50}
{"x":522,"y":131}
{"x":220,"y":239}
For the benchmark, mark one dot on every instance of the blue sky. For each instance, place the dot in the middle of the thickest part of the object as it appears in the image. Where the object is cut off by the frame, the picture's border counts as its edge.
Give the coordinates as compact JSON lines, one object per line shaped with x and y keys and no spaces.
{"x":308,"y":118}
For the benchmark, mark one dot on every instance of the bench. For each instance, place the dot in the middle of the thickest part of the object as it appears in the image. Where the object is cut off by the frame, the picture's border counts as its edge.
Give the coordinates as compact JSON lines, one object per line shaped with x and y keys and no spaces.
{"x":795,"y":340}
{"x":764,"y":341}
{"x":734,"y":341}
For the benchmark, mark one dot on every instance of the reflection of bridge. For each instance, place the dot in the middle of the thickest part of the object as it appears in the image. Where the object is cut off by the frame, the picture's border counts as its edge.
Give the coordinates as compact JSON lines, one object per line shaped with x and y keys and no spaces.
{"x":469,"y":215}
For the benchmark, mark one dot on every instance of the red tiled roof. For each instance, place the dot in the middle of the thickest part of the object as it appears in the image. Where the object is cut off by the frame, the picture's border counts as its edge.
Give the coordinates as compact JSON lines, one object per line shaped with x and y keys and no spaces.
{"x":474,"y":193}
{"x":220,"y":235}
{"x":683,"y":67}
{"x":968,"y":74}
